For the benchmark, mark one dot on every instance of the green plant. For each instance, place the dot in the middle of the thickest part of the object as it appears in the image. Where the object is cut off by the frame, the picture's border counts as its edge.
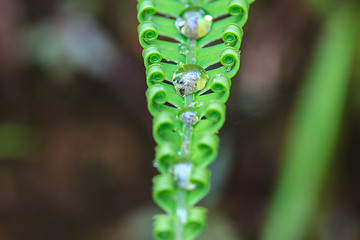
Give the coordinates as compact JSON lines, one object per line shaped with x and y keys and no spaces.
{"x":188,"y":72}
{"x":315,"y":126}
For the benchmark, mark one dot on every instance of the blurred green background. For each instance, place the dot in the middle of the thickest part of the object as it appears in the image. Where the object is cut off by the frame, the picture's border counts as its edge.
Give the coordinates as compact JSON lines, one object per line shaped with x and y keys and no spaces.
{"x":76,"y":148}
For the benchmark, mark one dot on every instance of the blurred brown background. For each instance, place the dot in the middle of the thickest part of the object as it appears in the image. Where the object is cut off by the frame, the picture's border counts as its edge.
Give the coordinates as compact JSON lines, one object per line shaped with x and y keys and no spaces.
{"x":76,"y":148}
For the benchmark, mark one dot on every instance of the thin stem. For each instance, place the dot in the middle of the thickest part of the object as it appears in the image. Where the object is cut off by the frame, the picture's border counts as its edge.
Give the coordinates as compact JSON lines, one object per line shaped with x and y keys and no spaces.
{"x":181,"y":214}
{"x":191,"y":58}
{"x":182,"y":211}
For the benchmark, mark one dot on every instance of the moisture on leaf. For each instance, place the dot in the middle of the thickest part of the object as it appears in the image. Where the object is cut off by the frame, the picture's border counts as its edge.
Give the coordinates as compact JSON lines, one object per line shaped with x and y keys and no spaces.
{"x":189,"y":78}
{"x":194,"y":23}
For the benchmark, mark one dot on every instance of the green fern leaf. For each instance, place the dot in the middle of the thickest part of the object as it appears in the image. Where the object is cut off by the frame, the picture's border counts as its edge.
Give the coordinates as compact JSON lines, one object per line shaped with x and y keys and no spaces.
{"x":188,"y":111}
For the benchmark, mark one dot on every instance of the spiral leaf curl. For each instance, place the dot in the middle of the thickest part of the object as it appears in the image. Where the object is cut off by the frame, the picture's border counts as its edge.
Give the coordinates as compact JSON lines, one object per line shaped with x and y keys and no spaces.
{"x":239,"y":8}
{"x":163,"y":227}
{"x":147,"y":32}
{"x":233,"y":35}
{"x":196,"y":150}
{"x":164,"y":191}
{"x":204,"y":149}
{"x":145,"y":10}
{"x":151,"y":55}
{"x":164,"y":129}
{"x":165,"y":155}
{"x":196,"y":222}
{"x":154,"y":74}
{"x":200,"y":178}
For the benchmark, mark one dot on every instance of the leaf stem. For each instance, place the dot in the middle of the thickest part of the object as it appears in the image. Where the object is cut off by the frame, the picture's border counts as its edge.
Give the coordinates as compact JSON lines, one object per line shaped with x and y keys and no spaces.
{"x":182,"y":210}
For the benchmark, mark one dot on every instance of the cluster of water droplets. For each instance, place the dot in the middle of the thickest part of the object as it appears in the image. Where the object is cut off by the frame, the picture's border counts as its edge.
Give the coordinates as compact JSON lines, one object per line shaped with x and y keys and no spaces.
{"x":193,"y":23}
{"x":189,"y":118}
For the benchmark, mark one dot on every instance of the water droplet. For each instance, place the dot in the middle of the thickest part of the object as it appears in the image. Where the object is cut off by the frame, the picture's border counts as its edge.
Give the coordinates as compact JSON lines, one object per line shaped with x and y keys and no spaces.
{"x":183,"y":49}
{"x":194,"y":59}
{"x":228,"y":69}
{"x":181,"y":214}
{"x":189,"y":118}
{"x":194,"y":22}
{"x":155,"y":164}
{"x":181,"y":63}
{"x":189,"y":78}
{"x":182,"y":174}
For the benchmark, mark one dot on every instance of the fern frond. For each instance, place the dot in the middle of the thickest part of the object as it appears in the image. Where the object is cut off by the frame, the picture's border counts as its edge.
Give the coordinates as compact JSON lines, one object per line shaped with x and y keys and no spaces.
{"x":185,"y":127}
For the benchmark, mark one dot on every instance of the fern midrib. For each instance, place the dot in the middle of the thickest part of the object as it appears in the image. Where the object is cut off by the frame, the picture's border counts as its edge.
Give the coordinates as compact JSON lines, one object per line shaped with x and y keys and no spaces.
{"x":188,"y":100}
{"x":187,"y":133}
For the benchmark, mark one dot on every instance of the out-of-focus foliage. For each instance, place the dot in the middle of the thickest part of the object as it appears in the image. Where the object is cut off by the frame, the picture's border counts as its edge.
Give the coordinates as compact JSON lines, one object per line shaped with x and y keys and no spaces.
{"x":315,"y":126}
{"x":17,"y":141}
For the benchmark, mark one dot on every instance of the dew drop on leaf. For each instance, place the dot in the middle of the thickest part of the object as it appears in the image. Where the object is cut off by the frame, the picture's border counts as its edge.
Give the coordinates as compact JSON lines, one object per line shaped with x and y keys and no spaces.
{"x":155,"y":164}
{"x":189,"y":118}
{"x":181,"y":214}
{"x":189,"y":78}
{"x":183,"y":49}
{"x":182,"y":175}
{"x":194,"y":22}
